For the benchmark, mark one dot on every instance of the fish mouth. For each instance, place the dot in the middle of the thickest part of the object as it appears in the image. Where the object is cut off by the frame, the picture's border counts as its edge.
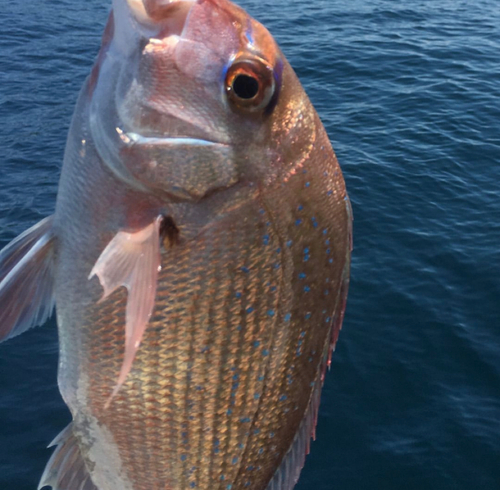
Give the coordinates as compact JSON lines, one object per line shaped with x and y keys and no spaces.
{"x":132,"y":138}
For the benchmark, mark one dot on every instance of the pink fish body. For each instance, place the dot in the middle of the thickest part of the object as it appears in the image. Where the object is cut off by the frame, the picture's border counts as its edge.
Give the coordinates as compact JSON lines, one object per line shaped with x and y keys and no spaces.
{"x":198,"y":258}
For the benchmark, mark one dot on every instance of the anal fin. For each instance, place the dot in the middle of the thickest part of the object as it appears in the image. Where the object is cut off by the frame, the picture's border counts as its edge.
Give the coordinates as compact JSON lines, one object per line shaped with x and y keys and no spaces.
{"x":27,"y":280}
{"x":66,"y":469}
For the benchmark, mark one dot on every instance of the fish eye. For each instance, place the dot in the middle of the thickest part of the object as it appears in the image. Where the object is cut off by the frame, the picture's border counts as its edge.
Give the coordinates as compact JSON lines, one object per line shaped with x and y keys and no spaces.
{"x":249,"y":85}
{"x":245,"y":87}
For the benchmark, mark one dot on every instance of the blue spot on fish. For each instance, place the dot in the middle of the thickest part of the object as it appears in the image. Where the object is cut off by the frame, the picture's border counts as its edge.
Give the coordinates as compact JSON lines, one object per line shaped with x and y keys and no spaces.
{"x":298,"y":221}
{"x":300,"y":208}
{"x":308,"y":184}
{"x":256,"y":343}
{"x":289,"y":243}
{"x":270,"y":313}
{"x":288,"y":316}
{"x":250,"y":309}
{"x":249,"y":34}
{"x":307,"y":289}
{"x":246,"y":270}
{"x":302,"y":275}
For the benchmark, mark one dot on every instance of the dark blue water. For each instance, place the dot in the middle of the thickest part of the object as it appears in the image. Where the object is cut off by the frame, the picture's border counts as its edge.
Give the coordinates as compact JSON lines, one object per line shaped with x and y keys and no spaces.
{"x":410,"y":95}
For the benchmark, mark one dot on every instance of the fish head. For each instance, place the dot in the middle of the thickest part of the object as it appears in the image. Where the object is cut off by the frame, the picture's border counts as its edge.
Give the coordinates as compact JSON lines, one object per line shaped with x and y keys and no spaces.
{"x":191,"y":97}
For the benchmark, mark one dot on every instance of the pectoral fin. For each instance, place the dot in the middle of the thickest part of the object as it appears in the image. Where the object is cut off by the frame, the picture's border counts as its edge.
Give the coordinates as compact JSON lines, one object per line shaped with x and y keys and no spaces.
{"x":27,"y":280}
{"x":66,"y":469}
{"x":132,"y":260}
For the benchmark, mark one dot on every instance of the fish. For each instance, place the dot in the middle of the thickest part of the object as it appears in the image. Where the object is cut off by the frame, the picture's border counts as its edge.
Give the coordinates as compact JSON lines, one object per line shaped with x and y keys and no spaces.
{"x":198,"y":259}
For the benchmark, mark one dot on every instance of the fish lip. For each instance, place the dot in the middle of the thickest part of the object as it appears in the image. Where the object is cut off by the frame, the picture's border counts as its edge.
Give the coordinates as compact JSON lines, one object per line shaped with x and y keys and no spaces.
{"x":132,"y":138}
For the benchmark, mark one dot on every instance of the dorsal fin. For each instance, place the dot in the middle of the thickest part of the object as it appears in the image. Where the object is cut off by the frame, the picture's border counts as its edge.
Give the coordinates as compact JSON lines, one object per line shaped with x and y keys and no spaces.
{"x":288,"y":473}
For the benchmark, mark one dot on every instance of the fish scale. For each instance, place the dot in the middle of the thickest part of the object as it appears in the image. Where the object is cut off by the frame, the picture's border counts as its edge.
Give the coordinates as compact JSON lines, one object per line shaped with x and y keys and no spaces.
{"x":306,"y":302}
{"x":230,"y":325}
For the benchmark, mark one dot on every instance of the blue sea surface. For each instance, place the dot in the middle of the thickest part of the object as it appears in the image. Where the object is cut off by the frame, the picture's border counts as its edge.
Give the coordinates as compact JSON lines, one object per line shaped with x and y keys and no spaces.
{"x":409,"y":93}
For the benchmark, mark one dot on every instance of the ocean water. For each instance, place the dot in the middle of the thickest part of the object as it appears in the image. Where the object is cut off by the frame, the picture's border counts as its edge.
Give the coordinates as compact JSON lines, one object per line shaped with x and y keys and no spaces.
{"x":410,"y":95}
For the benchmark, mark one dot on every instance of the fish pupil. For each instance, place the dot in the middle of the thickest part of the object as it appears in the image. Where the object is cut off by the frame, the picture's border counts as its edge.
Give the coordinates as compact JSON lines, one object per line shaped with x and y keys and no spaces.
{"x":245,"y":87}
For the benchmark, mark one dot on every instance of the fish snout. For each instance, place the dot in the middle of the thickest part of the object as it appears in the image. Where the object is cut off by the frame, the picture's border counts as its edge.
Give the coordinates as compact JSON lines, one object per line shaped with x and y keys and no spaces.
{"x":158,"y":11}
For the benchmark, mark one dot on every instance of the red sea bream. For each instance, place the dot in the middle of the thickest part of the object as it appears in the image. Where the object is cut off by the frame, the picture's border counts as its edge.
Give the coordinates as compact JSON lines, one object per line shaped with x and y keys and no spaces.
{"x":198,"y":258}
